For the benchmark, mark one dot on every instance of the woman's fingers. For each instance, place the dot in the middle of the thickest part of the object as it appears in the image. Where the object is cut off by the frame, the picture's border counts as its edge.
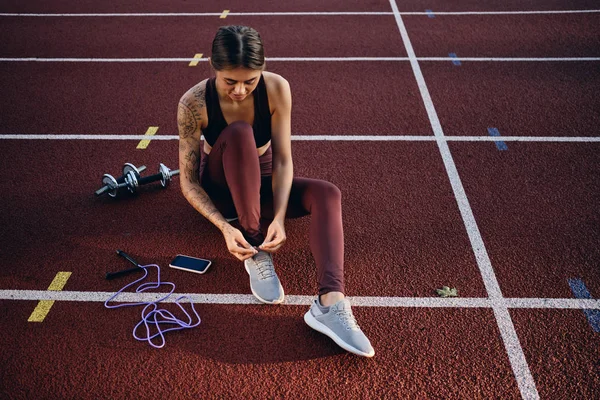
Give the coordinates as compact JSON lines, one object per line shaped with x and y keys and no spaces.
{"x":275,"y":237}
{"x":245,"y":252}
{"x":268,"y":240}
{"x":273,"y":245}
{"x":272,"y":249}
{"x":237,"y":244}
{"x":242,"y":253}
{"x":269,"y":244}
{"x":243,"y":244}
{"x":242,"y":257}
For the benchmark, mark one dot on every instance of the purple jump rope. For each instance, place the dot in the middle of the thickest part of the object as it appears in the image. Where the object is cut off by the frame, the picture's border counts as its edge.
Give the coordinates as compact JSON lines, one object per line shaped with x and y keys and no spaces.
{"x":152,"y":316}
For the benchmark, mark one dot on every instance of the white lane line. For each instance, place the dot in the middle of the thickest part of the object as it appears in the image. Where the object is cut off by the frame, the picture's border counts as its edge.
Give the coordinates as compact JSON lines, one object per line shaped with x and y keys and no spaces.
{"x":102,"y":60}
{"x":489,"y":277}
{"x":335,"y":59}
{"x":188,"y":59}
{"x":359,"y":301}
{"x":84,"y":137}
{"x":515,"y":353}
{"x":200,"y":14}
{"x":509,"y":59}
{"x":299,"y":13}
{"x":581,"y":139}
{"x":333,"y":138}
{"x":301,"y":59}
{"x":503,"y":12}
{"x":508,"y":333}
{"x":541,"y":303}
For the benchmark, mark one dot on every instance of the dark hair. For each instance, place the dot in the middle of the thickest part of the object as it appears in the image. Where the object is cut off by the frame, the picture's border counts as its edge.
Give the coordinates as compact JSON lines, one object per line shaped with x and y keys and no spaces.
{"x":237,"y":46}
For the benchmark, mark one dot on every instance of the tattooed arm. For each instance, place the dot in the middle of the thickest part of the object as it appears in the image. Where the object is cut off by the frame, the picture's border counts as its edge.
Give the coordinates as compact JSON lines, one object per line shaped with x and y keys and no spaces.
{"x":190,"y":114}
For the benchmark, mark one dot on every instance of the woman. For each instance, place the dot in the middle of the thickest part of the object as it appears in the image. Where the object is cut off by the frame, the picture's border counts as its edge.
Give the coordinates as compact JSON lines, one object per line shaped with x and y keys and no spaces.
{"x":243,"y":169}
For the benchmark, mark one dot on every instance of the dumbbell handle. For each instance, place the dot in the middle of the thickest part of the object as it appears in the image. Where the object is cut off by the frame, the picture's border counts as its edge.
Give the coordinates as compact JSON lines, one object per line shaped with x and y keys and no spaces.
{"x":151,"y":178}
{"x":102,"y":190}
{"x":120,"y":179}
{"x":156,"y":177}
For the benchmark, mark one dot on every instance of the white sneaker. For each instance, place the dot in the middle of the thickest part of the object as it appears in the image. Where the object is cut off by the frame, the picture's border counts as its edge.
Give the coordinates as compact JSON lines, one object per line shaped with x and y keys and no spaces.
{"x":264,"y":283}
{"x":340,"y":325}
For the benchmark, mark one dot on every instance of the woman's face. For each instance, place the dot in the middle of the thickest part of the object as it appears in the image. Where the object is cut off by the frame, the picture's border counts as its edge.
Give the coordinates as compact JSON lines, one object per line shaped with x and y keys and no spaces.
{"x":237,"y":83}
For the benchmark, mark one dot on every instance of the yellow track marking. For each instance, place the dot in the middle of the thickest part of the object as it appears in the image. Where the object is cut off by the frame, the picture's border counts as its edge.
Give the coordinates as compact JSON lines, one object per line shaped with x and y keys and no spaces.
{"x":224,"y":14}
{"x":60,"y":280}
{"x":194,"y":62}
{"x":41,"y":310}
{"x":44,"y":306}
{"x":150,"y":132}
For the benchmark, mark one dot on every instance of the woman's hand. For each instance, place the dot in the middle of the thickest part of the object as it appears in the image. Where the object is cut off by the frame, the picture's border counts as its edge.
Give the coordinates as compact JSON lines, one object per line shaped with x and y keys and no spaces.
{"x":275,"y":237}
{"x":237,"y":244}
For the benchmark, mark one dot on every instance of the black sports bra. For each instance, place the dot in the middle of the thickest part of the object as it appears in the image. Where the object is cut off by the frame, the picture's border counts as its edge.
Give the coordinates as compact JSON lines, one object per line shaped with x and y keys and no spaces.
{"x":216,"y":121}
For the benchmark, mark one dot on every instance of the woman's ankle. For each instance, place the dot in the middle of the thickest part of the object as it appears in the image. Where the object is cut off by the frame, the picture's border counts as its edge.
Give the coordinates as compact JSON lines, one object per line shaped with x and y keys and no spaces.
{"x":329,"y":299}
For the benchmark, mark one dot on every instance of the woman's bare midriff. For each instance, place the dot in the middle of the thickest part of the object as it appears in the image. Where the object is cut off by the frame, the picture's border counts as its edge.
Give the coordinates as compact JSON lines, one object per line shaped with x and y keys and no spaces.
{"x":261,"y":150}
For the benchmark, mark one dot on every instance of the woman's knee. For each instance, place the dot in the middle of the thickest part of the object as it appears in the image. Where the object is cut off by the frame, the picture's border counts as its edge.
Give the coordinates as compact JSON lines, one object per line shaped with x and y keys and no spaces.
{"x":326,"y":192}
{"x":332,"y":191}
{"x":240,"y":131}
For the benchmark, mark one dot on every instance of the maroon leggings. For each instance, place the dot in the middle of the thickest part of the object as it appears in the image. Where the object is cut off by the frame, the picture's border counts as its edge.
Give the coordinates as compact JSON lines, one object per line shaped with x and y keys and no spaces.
{"x":239,"y":184}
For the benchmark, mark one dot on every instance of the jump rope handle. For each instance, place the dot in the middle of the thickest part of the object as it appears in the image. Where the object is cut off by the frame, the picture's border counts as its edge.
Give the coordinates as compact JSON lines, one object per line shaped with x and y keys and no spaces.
{"x":112,"y":275}
{"x":127,"y":257}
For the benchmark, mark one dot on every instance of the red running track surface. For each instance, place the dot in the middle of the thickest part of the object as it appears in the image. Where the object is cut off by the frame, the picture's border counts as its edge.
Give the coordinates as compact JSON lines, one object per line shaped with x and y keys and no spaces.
{"x":105,"y":98}
{"x":181,"y":37}
{"x":255,"y":352}
{"x":535,"y":205}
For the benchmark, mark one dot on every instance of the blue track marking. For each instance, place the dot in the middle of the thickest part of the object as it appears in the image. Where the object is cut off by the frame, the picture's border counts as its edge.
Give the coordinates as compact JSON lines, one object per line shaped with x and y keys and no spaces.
{"x":581,"y":292}
{"x":430,"y":13}
{"x":499,"y":144}
{"x":456,"y":61}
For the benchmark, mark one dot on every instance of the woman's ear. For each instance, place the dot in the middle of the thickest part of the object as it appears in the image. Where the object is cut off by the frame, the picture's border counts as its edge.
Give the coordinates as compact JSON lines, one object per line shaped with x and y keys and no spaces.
{"x":210,"y":62}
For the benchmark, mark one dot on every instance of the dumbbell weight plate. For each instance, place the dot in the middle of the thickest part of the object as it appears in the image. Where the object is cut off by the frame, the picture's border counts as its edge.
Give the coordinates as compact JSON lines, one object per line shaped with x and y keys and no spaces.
{"x":132,"y":182}
{"x":130,"y":167}
{"x":166,"y":178}
{"x":111,"y":182}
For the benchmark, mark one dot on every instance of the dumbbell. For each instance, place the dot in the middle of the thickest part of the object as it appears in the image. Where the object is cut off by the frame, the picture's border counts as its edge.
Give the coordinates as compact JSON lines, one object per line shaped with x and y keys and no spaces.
{"x":112,"y":185}
{"x":164,"y":175}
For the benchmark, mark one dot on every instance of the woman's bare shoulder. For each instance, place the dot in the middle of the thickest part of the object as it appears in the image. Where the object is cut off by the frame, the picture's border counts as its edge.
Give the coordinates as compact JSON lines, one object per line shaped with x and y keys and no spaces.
{"x":195,"y":95}
{"x":278,"y":89}
{"x":194,"y":102}
{"x":275,"y":81}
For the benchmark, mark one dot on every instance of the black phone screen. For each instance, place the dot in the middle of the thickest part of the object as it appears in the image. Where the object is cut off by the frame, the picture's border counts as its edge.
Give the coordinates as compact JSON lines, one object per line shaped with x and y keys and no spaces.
{"x":190,"y":263}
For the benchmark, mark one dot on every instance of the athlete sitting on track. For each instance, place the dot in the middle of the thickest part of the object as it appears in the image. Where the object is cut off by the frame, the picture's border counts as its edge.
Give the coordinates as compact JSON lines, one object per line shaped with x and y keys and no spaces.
{"x":244,"y":169}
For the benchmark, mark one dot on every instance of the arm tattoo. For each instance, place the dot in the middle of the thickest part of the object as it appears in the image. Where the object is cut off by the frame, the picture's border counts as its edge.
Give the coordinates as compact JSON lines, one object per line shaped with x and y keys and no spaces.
{"x":189,"y":120}
{"x":186,"y":121}
{"x":199,"y":94}
{"x":189,"y":112}
{"x":192,"y":166}
{"x":200,"y":200}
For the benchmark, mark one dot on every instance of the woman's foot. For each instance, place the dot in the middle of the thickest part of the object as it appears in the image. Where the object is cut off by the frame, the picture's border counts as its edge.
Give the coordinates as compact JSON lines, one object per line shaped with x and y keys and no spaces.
{"x":338,"y":322}
{"x":264,"y":283}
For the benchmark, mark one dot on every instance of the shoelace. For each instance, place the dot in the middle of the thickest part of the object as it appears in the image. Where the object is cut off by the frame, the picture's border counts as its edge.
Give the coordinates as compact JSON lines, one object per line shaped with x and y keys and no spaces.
{"x":347,"y":319}
{"x":264,"y":265}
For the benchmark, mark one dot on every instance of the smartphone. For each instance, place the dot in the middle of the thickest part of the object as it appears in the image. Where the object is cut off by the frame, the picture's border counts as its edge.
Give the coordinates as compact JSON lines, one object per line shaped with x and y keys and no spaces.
{"x":191,"y":264}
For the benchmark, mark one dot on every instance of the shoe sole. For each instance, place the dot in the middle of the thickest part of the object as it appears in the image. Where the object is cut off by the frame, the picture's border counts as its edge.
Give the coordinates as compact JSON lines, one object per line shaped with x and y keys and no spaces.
{"x":276,"y":301}
{"x":319,"y":327}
